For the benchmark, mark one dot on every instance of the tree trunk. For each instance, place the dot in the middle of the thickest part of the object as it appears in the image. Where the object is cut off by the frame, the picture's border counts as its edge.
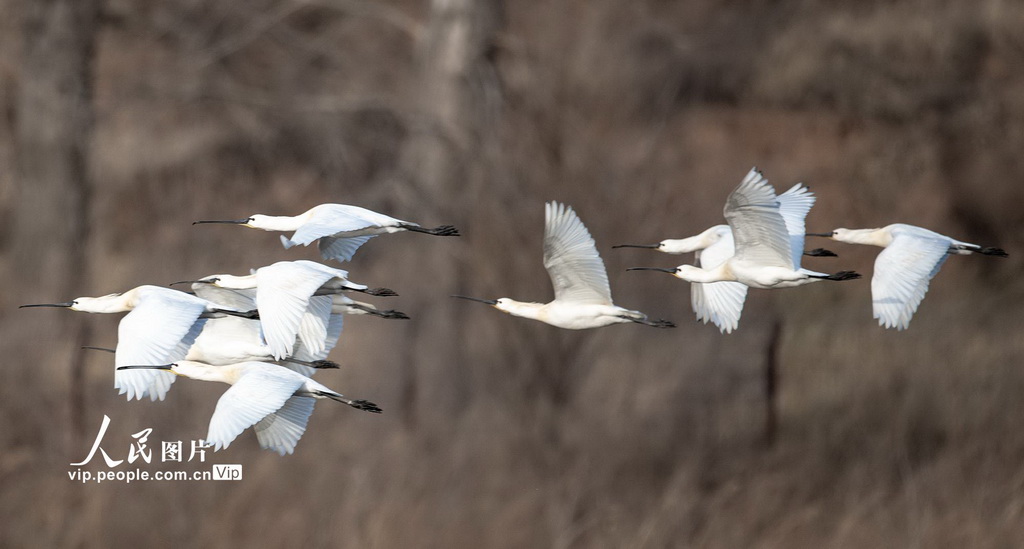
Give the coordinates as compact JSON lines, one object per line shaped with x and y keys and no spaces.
{"x":458,"y":100}
{"x":47,"y":252}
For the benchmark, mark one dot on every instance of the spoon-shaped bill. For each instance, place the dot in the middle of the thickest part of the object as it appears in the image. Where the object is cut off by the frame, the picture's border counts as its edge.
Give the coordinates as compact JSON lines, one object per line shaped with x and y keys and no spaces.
{"x":649,"y":246}
{"x":487,"y":301}
{"x":146,"y":367}
{"x":662,"y":269}
{"x":230,"y":221}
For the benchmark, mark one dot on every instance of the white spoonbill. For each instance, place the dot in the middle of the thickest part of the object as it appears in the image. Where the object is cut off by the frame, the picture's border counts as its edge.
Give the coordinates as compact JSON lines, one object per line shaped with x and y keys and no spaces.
{"x":275,"y":401}
{"x":582,"y":296}
{"x":764,"y":255}
{"x":161,"y":325}
{"x":283,"y":292}
{"x":722,"y":302}
{"x":912,"y":256}
{"x":338,"y":229}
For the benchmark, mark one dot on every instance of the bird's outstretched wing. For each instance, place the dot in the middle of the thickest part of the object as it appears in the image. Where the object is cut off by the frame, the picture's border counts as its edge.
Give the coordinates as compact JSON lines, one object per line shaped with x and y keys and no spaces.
{"x":794,"y":205}
{"x":340,"y":249}
{"x":313,"y":326}
{"x":570,"y":256}
{"x":149,"y":335}
{"x":282,"y":298}
{"x":257,"y":394}
{"x":280,"y":431}
{"x":718,"y":302}
{"x":902,"y":272}
{"x":757,"y":226}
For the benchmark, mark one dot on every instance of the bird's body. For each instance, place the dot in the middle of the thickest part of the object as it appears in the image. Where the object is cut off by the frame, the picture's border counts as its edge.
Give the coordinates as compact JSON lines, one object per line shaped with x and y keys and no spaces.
{"x":768,"y":234}
{"x":903,"y":270}
{"x":160,"y":326}
{"x":582,"y":294}
{"x":275,"y":401}
{"x":284,"y":293}
{"x":338,"y":229}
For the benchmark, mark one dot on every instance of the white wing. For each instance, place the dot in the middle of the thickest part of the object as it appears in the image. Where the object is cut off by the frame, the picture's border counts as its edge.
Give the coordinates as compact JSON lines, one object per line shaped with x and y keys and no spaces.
{"x":335,"y":324}
{"x":161,"y":384}
{"x":718,"y":302}
{"x":340,"y":249}
{"x":281,"y":430}
{"x":570,"y":256}
{"x":149,"y":334}
{"x":282,"y":297}
{"x":902,"y":273}
{"x":757,"y":226}
{"x":257,"y":394}
{"x":313,"y":326}
{"x":794,"y":205}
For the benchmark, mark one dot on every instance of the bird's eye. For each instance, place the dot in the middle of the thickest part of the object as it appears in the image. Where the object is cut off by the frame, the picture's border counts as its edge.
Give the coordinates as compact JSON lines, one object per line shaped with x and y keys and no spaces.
{"x":214,"y":280}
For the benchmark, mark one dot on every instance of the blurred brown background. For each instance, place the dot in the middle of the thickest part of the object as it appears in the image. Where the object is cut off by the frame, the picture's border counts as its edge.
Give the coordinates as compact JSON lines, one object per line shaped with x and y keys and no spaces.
{"x":125,"y":121}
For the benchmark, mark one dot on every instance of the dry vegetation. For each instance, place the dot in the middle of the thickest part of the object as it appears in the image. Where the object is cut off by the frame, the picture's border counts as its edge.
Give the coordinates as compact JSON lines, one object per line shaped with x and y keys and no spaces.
{"x":497,"y":431}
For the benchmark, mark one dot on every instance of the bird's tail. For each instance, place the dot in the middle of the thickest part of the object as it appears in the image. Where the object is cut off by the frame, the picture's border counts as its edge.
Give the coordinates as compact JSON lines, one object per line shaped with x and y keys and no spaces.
{"x":964,"y":248}
{"x":998,"y":252}
{"x":640,"y":318}
{"x":841,"y":275}
{"x":442,"y":230}
{"x":364,"y":405}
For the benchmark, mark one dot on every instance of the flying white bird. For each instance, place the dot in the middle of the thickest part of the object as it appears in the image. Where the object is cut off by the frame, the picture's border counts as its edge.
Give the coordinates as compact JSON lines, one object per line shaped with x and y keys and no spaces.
{"x":722,"y":302}
{"x":275,"y":401}
{"x":283,"y":299}
{"x":161,"y":325}
{"x":582,"y":296}
{"x":912,"y":256}
{"x":767,"y":252}
{"x":338,"y":229}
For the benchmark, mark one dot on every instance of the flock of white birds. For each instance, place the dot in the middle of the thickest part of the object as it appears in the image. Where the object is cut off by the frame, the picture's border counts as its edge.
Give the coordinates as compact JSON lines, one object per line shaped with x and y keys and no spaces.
{"x":268,"y":332}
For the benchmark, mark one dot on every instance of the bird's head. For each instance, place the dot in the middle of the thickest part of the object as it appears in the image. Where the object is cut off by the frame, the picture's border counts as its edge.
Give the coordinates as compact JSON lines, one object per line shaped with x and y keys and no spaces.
{"x":210,"y":280}
{"x":102,"y":304}
{"x":876,"y":237}
{"x":502,"y":303}
{"x":67,"y":304}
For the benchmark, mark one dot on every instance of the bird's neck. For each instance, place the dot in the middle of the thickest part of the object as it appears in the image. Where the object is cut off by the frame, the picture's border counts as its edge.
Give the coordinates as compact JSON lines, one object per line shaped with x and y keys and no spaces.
{"x":870,"y":237}
{"x":232,"y":282}
{"x":113,"y":303}
{"x":690,"y":273}
{"x":523,"y":309}
{"x":695,"y":243}
{"x":205,"y":372}
{"x":279,"y":222}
